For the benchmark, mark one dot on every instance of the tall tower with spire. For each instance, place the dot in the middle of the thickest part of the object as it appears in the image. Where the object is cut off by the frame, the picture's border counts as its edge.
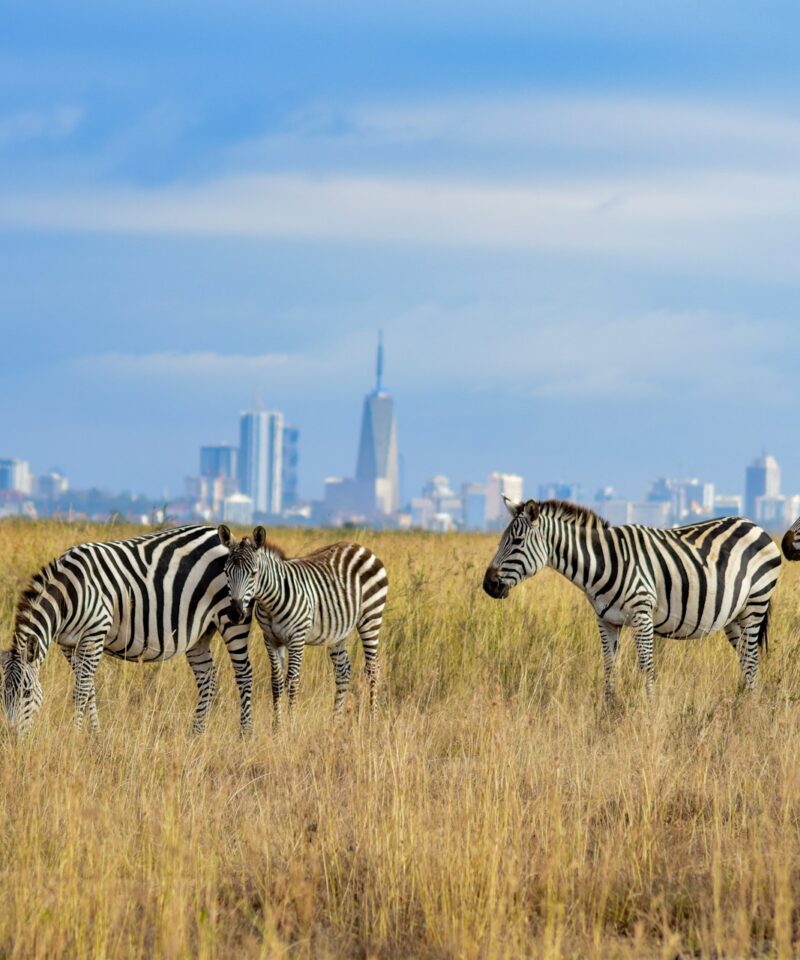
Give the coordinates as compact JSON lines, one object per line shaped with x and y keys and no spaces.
{"x":377,"y":466}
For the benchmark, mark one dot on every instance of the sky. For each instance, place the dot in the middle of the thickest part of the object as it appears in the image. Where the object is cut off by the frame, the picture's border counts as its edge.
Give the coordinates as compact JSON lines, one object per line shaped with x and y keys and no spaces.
{"x":577,"y":225}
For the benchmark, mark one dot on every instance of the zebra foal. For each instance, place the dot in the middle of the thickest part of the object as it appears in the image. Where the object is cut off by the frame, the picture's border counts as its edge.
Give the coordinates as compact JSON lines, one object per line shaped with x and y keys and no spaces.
{"x":144,"y":599}
{"x":685,"y":582}
{"x":316,"y":599}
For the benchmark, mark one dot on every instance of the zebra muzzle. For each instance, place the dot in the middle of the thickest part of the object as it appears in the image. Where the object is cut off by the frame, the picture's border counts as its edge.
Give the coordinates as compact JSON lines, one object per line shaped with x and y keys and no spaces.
{"x":236,"y":611}
{"x":494,"y":586}
{"x":790,"y":549}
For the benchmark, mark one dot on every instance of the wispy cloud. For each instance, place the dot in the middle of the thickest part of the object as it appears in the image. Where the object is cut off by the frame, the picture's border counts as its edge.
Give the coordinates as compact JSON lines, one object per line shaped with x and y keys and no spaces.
{"x":721,"y":217}
{"x":27,"y":125}
{"x":528,"y":353}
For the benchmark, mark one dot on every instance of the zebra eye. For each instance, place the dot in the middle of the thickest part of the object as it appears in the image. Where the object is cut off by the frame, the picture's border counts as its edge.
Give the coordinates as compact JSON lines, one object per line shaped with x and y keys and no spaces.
{"x":517,"y":541}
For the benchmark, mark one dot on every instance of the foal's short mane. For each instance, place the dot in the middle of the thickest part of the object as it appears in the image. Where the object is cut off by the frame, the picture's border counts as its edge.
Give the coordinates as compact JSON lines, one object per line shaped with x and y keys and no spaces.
{"x":30,"y":596}
{"x":564,"y":510}
{"x":269,"y":545}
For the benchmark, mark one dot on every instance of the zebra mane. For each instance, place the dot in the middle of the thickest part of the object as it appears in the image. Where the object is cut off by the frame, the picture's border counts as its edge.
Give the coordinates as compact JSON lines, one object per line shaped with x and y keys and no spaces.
{"x":29,"y":598}
{"x":572,"y":513}
{"x":246,"y":542}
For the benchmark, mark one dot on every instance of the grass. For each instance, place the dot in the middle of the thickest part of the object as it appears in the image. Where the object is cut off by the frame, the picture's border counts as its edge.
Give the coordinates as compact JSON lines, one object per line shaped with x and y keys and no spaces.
{"x":494,"y":809}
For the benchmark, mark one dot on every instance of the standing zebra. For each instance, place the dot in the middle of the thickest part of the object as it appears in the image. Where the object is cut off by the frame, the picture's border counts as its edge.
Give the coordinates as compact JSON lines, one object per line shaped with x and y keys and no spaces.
{"x":316,"y":599}
{"x":686,"y":582}
{"x":143,"y":599}
{"x":791,"y":542}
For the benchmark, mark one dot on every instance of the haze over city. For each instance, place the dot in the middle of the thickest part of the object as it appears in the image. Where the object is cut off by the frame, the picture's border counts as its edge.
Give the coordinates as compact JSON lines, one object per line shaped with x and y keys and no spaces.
{"x":583,"y":262}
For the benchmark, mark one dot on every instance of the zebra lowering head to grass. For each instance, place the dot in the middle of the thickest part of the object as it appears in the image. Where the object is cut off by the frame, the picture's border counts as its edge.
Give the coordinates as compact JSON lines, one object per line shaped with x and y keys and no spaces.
{"x":791,"y":542}
{"x":145,"y":599}
{"x":685,"y":582}
{"x":317,"y":599}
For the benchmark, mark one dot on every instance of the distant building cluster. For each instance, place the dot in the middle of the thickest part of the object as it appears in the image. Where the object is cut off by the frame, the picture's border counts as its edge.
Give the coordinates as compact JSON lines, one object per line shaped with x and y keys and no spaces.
{"x":257,"y":480}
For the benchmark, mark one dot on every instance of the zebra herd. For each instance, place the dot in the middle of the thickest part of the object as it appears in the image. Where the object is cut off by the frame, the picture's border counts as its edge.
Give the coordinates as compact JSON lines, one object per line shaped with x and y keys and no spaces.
{"x":152,"y":597}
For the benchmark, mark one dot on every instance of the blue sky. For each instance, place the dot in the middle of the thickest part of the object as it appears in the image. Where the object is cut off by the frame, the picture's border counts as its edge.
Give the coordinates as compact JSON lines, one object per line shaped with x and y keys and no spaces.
{"x":577,"y":225}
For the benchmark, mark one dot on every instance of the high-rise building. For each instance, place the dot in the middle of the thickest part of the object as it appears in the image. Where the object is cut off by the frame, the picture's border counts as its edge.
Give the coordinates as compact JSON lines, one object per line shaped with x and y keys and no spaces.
{"x":15,"y":475}
{"x":291,"y":456}
{"x":473,"y":505}
{"x":377,"y":473}
{"x":762,"y":479}
{"x":261,"y":459}
{"x":219,"y":461}
{"x":501,"y":485}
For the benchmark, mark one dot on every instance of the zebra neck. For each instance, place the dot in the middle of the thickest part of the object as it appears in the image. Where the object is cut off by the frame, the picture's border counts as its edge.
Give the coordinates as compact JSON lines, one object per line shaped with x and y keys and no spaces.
{"x":36,"y":626}
{"x":270,"y":585}
{"x":571,"y":544}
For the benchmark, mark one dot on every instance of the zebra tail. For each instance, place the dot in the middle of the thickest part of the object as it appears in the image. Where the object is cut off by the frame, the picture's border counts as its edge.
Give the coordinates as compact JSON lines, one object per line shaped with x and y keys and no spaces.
{"x":763,"y":630}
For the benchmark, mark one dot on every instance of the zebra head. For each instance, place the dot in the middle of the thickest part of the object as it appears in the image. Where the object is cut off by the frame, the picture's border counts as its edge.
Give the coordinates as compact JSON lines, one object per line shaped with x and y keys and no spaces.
{"x":523,"y":550}
{"x":791,"y":542}
{"x":22,"y":691}
{"x":241,"y":569}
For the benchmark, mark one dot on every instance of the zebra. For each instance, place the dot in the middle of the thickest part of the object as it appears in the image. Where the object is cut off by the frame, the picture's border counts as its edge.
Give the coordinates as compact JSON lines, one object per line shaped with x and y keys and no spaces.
{"x":144,"y":599}
{"x":684,"y":582}
{"x":316,"y":599}
{"x":791,"y":542}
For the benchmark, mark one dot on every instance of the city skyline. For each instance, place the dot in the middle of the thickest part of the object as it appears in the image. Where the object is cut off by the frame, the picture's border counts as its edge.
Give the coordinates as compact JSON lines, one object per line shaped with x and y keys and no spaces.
{"x":576,"y":229}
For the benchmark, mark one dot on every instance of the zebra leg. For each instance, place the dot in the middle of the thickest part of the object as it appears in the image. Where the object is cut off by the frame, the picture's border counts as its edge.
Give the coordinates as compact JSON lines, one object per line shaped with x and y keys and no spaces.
{"x":296,"y":650}
{"x":609,"y":640}
{"x":342,"y":671}
{"x":734,"y":634}
{"x":642,"y":623}
{"x":368,"y":630}
{"x":205,"y":675}
{"x":236,"y":644}
{"x":749,"y":651}
{"x":277,"y":665}
{"x":84,"y":662}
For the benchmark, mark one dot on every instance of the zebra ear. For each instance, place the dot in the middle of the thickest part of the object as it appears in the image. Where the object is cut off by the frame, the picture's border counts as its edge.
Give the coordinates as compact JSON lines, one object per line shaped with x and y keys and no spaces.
{"x":532,"y":510}
{"x":260,"y":536}
{"x":514,"y":507}
{"x":224,"y":535}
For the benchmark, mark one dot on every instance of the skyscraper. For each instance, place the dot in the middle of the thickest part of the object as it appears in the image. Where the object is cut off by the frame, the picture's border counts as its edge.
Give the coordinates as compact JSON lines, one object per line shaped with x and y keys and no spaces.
{"x":291,"y":456}
{"x":762,"y":479}
{"x":218,"y":461}
{"x":261,"y":459}
{"x":377,"y":467}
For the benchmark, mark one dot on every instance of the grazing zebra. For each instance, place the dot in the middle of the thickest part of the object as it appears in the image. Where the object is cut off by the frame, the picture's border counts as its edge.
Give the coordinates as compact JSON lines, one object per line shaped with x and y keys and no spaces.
{"x":791,"y":542}
{"x":686,"y":582}
{"x":144,"y":599}
{"x":316,"y":599}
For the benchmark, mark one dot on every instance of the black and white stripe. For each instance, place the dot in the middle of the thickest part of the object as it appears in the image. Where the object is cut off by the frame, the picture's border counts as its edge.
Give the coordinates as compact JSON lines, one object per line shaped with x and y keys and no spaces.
{"x":791,"y":542}
{"x":145,"y":599}
{"x":317,"y":599}
{"x":685,"y":582}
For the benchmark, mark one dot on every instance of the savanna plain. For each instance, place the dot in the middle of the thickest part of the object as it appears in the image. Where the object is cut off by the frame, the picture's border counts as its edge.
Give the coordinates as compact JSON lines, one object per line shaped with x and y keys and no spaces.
{"x":493,"y":808}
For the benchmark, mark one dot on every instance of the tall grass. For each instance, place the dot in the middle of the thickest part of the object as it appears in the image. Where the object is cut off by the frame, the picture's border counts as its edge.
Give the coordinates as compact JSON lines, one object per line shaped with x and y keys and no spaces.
{"x":494,"y":808}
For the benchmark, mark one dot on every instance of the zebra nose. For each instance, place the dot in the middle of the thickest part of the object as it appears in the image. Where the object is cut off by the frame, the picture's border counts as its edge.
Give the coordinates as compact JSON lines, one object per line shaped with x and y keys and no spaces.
{"x":236,"y":611}
{"x":790,"y":550}
{"x":493,"y":586}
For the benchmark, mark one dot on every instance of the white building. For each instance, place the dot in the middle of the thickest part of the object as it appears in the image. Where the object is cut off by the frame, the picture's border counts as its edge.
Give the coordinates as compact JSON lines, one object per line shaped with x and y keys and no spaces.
{"x":238,"y":509}
{"x":261,"y":459}
{"x":501,"y":485}
{"x":16,"y":475}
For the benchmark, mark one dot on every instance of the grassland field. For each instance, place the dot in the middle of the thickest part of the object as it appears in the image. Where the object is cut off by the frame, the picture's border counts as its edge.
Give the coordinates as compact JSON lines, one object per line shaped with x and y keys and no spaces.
{"x":494,"y":808}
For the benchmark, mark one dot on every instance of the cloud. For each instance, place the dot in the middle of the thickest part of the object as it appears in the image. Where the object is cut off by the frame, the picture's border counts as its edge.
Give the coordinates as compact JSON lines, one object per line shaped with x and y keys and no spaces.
{"x":25,"y":126}
{"x":669,"y":218}
{"x":500,"y":351}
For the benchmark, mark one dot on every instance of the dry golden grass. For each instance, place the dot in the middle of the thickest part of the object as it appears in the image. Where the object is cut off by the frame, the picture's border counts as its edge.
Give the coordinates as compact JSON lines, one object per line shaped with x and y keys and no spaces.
{"x":494,"y":809}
